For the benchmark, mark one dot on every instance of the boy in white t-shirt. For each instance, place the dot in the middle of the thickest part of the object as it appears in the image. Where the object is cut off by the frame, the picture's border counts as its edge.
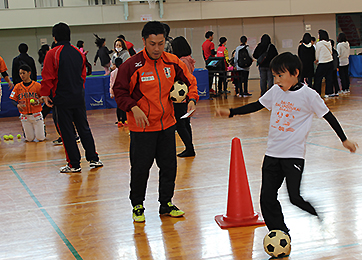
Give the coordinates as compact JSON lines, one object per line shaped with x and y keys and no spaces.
{"x":292,"y":106}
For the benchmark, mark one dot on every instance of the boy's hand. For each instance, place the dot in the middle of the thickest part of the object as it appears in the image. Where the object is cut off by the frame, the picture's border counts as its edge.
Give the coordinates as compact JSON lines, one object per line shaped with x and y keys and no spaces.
{"x":222,"y":112}
{"x":351,"y":146}
{"x":111,"y":95}
{"x":21,"y":107}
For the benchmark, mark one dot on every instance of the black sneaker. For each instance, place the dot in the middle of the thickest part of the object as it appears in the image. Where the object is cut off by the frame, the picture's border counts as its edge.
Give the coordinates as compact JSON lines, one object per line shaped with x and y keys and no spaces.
{"x":171,"y":210}
{"x":247,"y":94}
{"x":58,"y":141}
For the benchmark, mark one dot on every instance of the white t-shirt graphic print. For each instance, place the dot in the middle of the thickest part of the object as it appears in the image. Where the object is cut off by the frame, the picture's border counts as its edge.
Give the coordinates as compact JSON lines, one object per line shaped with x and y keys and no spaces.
{"x":291,"y":119}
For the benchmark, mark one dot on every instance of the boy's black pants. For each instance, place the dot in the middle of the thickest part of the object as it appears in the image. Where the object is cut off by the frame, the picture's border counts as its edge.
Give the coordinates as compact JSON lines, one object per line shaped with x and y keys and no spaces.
{"x":274,"y":171}
{"x":67,"y":119}
{"x":145,"y":147}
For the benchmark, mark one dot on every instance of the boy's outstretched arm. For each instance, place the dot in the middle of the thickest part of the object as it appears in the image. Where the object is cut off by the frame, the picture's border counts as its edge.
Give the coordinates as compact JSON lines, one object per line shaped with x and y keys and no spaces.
{"x":332,"y":120}
{"x":247,"y":109}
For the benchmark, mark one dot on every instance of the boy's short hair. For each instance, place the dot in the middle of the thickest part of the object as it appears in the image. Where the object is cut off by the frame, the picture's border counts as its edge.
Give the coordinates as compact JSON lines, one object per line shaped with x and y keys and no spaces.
{"x":23,"y":48}
{"x":153,"y":27}
{"x":61,"y":32}
{"x":208,"y":34}
{"x":25,"y":67}
{"x":286,"y":62}
{"x":118,"y":61}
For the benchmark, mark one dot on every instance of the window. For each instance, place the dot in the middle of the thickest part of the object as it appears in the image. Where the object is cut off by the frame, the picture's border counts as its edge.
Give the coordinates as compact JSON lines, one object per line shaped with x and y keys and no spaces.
{"x":48,"y":3}
{"x":102,"y":2}
{"x":4,"y":4}
{"x":351,"y":26}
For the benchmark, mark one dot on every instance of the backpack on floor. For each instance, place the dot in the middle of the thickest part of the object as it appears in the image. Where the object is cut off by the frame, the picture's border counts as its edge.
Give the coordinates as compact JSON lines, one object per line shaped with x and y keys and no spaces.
{"x":244,"y":59}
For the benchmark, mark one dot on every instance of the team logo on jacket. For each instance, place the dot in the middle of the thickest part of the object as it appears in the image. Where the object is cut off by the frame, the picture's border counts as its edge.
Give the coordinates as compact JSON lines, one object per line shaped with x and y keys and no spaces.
{"x":150,"y":78}
{"x":167,"y":71}
{"x":138,"y":64}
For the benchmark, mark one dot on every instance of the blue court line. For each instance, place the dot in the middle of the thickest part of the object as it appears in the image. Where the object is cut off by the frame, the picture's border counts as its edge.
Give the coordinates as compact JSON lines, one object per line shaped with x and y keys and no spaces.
{"x":48,"y":217}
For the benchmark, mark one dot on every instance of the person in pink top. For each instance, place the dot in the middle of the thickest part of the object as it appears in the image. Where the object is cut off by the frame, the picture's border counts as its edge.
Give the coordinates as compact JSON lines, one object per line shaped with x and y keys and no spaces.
{"x":121,"y":115}
{"x":182,"y":50}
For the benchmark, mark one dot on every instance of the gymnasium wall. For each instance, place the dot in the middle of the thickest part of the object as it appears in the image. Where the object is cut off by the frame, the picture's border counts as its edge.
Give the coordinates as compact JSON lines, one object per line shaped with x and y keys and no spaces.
{"x":285,"y":31}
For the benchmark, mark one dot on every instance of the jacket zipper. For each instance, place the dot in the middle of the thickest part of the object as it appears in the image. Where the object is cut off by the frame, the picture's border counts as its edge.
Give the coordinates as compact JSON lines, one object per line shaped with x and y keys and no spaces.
{"x":159,"y":86}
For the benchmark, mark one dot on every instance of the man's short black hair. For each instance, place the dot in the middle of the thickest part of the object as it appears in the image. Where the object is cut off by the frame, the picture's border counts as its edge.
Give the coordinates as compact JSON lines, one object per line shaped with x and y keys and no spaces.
{"x":61,"y":32}
{"x":25,"y":67}
{"x":286,"y":62}
{"x":208,"y":34}
{"x":23,"y":48}
{"x":153,"y":27}
{"x":121,"y":36}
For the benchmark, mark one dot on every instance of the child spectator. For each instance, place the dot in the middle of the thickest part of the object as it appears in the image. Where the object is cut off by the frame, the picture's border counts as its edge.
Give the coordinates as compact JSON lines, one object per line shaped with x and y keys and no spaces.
{"x":182,"y":49}
{"x":222,"y":51}
{"x":103,"y":54}
{"x":42,"y":52}
{"x":121,"y":115}
{"x":243,"y":72}
{"x":335,"y":85}
{"x":25,"y":96}
{"x":343,"y":50}
{"x":80,"y":46}
{"x":292,"y":106}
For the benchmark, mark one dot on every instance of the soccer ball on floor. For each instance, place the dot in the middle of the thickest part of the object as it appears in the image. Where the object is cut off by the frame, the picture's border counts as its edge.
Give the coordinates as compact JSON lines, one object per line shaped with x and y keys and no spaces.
{"x":178,"y":91}
{"x":277,"y":243}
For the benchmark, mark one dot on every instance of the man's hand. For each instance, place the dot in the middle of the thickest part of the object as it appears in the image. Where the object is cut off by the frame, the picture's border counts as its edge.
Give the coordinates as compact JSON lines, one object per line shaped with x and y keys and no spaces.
{"x":47,"y":101}
{"x":350,"y":145}
{"x":191,"y":106}
{"x":140,"y":117}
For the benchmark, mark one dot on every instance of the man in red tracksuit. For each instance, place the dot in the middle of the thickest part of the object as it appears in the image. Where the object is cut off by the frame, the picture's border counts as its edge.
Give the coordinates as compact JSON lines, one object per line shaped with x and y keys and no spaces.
{"x":142,"y":89}
{"x":63,"y":76}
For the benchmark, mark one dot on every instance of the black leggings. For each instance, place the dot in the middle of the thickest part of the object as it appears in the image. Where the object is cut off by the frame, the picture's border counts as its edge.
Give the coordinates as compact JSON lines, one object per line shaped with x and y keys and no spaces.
{"x":274,"y":171}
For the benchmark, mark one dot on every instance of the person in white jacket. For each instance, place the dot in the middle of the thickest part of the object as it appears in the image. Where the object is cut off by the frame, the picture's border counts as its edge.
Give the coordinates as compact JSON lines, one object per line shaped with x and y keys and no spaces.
{"x":343,"y":50}
{"x":324,"y":60}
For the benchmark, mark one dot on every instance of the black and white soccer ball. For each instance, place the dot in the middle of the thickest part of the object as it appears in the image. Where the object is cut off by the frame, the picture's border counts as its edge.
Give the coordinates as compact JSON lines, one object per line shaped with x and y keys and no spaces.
{"x":179,"y":91}
{"x":277,"y":243}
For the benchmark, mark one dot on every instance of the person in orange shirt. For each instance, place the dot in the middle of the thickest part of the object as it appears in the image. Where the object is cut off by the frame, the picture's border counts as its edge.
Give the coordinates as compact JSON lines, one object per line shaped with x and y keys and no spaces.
{"x":26,"y":96}
{"x":5,"y":75}
{"x":142,"y":89}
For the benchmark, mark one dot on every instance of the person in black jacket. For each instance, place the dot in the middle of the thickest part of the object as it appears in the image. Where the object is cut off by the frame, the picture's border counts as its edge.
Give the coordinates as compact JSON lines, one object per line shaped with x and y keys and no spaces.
{"x":266,"y":77}
{"x":306,"y":53}
{"x":64,"y":75}
{"x":21,"y":59}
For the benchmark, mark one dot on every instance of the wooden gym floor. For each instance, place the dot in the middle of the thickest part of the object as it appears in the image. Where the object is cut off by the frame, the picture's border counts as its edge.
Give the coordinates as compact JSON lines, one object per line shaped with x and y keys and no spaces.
{"x":48,"y":215}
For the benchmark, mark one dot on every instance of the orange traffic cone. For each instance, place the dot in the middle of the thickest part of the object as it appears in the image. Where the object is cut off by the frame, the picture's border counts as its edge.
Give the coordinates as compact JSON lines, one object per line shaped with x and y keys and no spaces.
{"x":240,"y":211}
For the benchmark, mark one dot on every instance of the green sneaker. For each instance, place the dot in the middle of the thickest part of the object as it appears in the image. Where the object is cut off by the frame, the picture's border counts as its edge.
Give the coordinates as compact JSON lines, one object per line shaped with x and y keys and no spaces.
{"x":171,"y":210}
{"x":138,"y":215}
